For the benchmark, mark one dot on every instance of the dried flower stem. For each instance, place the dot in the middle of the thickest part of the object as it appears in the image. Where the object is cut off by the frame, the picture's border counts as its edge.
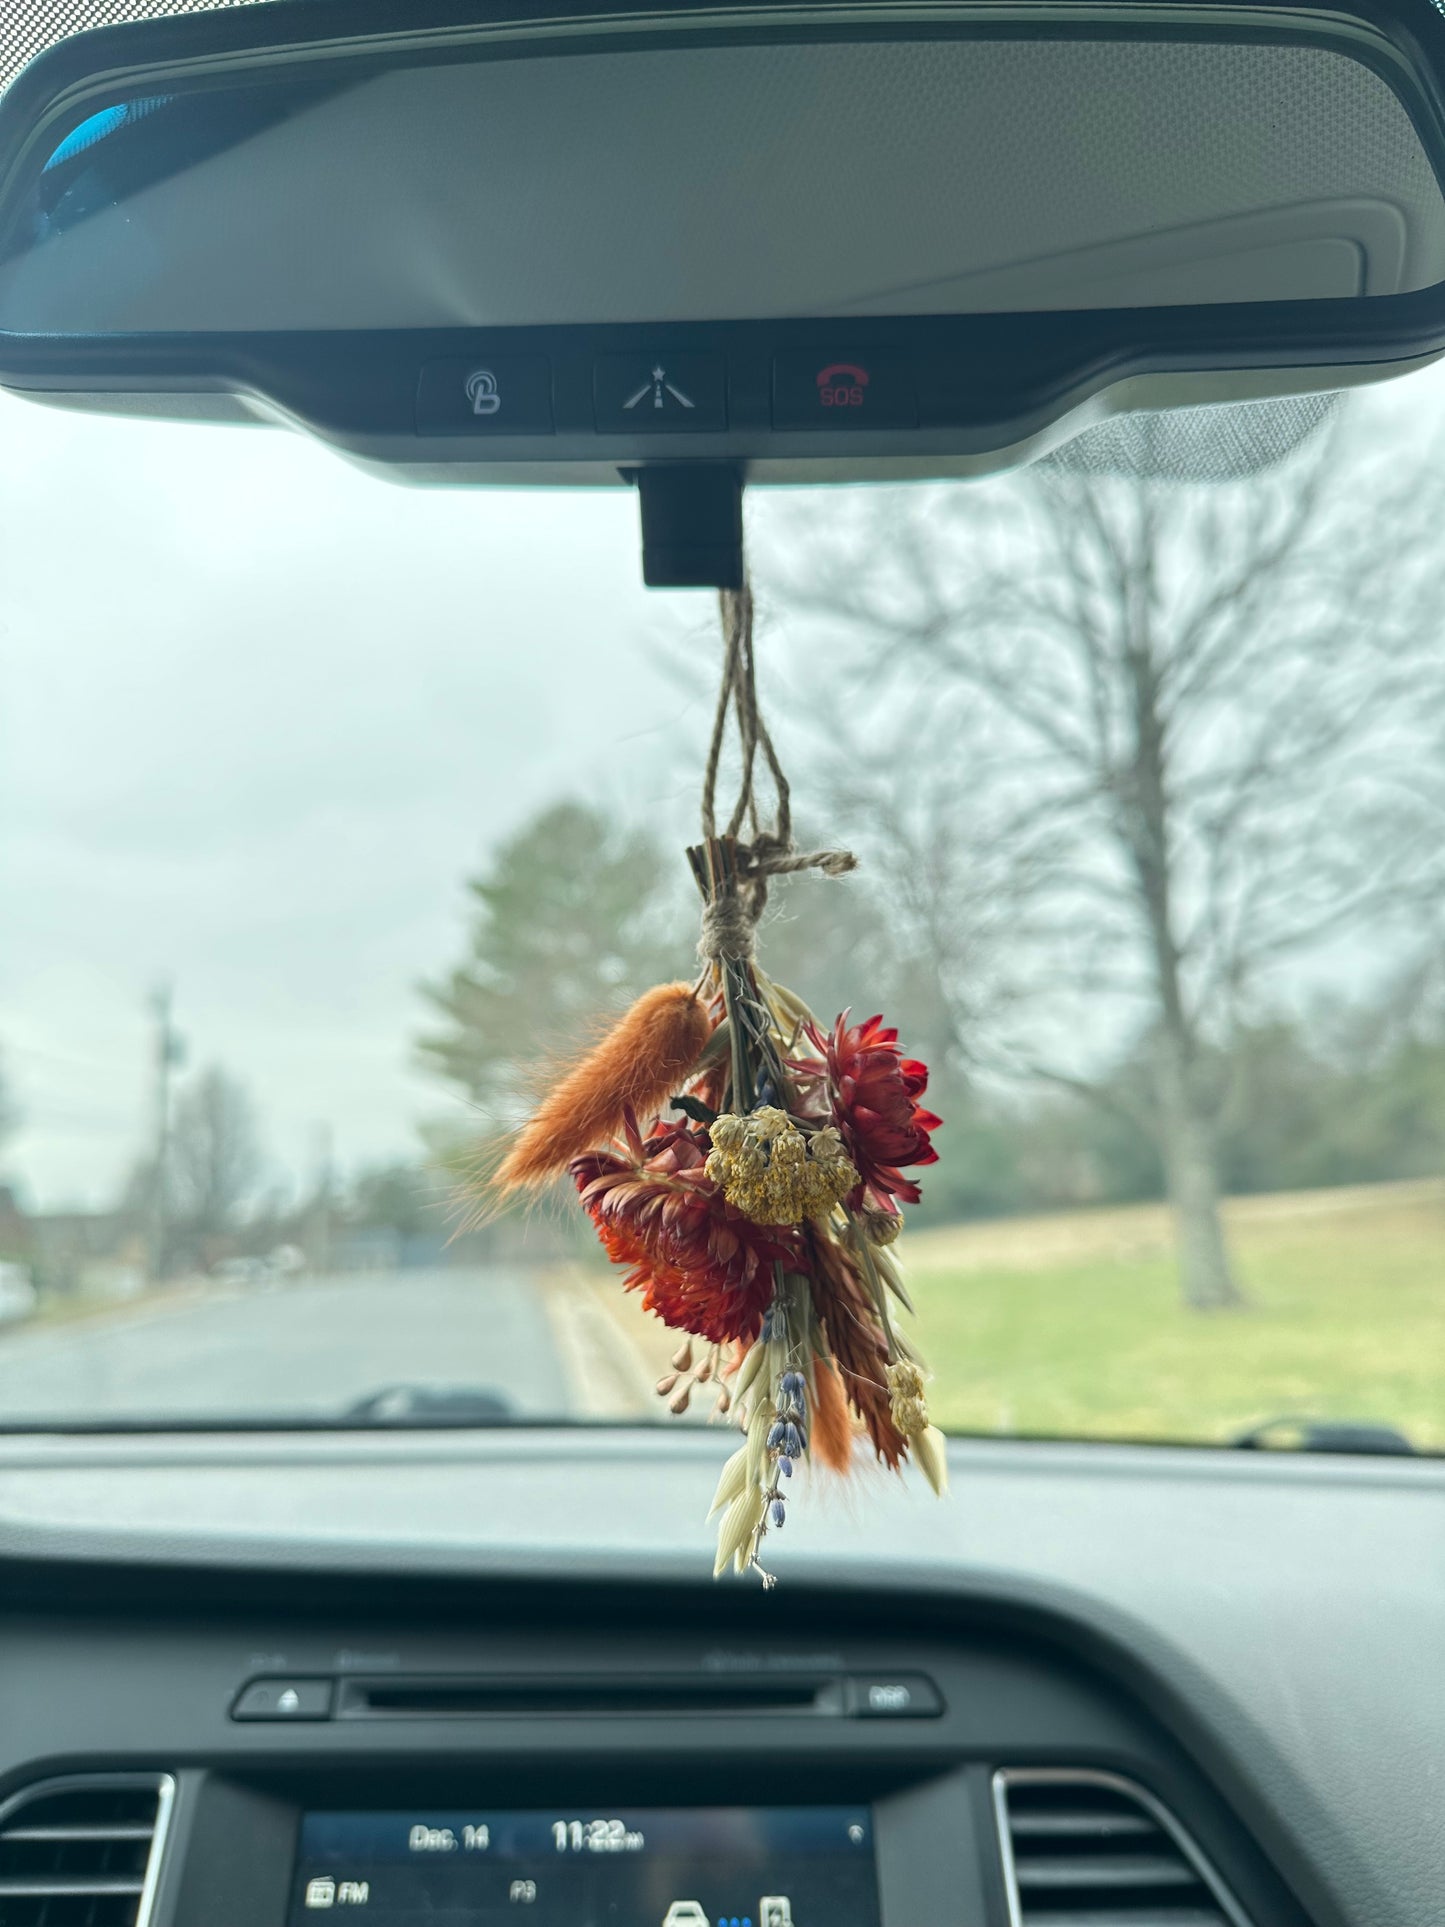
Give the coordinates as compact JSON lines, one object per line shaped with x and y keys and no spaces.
{"x":862,"y":1248}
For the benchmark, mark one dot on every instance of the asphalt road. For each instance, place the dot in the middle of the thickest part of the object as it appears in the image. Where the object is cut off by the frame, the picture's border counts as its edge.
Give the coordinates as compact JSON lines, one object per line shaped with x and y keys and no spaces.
{"x":311,"y":1348}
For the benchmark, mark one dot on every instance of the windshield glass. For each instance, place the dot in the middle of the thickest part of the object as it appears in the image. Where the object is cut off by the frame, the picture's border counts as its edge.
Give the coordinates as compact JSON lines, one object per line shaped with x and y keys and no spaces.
{"x":335,"y":812}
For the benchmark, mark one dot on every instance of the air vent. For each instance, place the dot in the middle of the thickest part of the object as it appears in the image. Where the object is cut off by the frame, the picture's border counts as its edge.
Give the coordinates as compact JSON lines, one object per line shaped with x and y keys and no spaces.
{"x":83,"y":1851}
{"x":1092,"y":1850}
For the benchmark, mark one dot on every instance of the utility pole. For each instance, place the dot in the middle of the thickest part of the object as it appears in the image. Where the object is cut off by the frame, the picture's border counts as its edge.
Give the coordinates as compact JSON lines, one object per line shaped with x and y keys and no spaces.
{"x":325,"y":1181}
{"x":168,"y":1051}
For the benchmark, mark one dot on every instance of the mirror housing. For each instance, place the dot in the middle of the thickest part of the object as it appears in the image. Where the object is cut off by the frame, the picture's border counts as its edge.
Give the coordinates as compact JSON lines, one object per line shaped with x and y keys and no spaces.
{"x":552,"y":243}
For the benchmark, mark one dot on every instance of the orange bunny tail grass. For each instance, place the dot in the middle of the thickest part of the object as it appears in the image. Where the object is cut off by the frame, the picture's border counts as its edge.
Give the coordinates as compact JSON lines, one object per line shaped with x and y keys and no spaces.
{"x":637,"y":1066}
{"x":831,"y":1432}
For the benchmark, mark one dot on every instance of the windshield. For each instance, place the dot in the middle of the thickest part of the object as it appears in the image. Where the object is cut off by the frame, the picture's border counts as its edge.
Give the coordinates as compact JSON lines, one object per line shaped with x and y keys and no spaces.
{"x":333,"y":811}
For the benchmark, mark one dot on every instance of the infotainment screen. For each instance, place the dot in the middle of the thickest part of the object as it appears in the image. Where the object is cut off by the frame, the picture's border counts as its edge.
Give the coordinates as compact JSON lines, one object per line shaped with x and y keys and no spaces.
{"x":646,"y":1867}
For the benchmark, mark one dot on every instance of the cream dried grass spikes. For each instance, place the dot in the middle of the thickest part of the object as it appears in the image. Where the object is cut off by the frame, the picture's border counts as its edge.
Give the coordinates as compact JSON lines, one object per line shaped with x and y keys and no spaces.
{"x":742,"y":1497}
{"x":768,"y":1399}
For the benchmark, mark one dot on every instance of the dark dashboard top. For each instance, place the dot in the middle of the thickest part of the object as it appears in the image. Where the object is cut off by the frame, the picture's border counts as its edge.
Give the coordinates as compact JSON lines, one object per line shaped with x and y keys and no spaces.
{"x":1282,"y":1620}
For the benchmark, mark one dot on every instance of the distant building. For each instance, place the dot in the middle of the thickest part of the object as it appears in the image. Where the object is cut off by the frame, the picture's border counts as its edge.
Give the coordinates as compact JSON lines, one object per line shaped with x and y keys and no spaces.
{"x":15,"y":1234}
{"x":65,"y":1251}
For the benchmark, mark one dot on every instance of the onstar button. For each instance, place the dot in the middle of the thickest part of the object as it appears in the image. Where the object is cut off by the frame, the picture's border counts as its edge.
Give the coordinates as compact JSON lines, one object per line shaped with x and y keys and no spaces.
{"x":485,"y":395}
{"x":284,"y":1699}
{"x":844,"y":389}
{"x":895,"y":1696}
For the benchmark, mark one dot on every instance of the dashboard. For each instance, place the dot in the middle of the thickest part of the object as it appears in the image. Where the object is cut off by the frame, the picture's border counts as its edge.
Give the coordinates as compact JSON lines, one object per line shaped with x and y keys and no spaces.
{"x":479,"y":1679}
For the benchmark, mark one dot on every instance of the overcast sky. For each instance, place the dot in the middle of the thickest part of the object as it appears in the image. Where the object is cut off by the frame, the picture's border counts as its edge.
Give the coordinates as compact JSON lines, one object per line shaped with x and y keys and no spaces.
{"x":260,"y":714}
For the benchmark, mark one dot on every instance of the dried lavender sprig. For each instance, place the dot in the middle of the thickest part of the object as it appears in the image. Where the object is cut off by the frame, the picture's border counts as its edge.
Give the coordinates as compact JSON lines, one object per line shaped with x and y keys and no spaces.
{"x":787,"y":1438}
{"x":773,"y":1393}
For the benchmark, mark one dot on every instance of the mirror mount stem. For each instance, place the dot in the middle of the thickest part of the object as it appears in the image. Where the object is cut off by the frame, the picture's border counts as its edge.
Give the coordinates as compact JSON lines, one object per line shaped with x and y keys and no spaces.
{"x":692,"y":524}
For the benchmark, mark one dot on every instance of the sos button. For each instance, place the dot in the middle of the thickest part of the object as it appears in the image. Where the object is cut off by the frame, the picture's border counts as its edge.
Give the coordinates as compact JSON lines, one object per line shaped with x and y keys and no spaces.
{"x":844,"y":389}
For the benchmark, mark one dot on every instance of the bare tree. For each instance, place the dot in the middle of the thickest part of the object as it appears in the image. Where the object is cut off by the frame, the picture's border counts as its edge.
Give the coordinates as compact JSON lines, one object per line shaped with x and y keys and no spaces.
{"x":1173,"y":732}
{"x":215,"y":1158}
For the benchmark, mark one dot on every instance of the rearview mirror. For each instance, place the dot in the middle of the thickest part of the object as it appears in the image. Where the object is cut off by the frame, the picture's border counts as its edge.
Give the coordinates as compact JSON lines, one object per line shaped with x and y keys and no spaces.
{"x":801,"y":243}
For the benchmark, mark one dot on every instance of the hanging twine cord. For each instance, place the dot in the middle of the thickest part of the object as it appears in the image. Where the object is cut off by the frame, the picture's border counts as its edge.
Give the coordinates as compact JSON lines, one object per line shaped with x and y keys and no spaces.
{"x":737,"y":871}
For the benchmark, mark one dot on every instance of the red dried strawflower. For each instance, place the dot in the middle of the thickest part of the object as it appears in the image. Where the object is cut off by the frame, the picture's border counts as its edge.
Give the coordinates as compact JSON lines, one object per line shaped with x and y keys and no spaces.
{"x":701,"y":1266}
{"x":875,"y":1092}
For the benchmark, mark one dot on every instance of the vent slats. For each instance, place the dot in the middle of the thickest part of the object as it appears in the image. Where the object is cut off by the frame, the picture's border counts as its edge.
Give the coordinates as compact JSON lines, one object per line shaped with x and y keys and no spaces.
{"x":74,"y":1832}
{"x":1078,"y":1823}
{"x":67,"y":1883}
{"x":1168,"y":1917}
{"x":1085,"y":1849}
{"x":1105,"y":1870}
{"x":79,"y":1852}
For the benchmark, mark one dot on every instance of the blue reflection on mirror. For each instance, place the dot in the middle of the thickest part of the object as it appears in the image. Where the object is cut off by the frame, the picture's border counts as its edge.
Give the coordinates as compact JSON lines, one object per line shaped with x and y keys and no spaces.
{"x":97,"y":126}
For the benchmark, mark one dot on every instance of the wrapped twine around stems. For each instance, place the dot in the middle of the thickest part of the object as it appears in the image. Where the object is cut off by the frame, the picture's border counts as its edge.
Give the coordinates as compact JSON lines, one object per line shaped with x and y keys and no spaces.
{"x":733,"y":870}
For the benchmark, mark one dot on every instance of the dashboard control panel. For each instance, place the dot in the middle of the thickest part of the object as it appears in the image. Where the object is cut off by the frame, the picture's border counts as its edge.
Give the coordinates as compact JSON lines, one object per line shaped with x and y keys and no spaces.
{"x":551,"y":1867}
{"x":594,"y":1758}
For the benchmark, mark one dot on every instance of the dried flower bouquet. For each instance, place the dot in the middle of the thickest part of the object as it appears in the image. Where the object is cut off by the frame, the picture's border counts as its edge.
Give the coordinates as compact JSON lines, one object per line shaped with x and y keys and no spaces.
{"x":746,"y":1166}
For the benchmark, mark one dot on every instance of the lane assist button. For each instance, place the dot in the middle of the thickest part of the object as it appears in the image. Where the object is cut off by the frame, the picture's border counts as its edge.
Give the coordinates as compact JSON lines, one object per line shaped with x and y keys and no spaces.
{"x":284,"y":1699}
{"x":486,"y":395}
{"x":849,"y":389}
{"x":660,"y":393}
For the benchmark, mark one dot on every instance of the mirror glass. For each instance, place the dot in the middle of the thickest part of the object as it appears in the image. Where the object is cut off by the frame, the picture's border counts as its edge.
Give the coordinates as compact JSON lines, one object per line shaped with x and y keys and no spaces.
{"x":910,"y":176}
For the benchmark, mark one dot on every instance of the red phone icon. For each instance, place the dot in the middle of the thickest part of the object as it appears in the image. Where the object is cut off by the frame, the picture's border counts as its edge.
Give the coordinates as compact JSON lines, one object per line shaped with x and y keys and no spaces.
{"x":841,"y":385}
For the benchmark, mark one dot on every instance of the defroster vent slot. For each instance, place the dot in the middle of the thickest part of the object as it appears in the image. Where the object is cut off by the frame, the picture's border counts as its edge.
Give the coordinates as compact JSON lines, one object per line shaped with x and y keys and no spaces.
{"x":428,"y":1699}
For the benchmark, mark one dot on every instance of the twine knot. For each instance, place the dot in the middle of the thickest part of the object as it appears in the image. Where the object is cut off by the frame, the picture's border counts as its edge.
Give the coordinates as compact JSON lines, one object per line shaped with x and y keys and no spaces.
{"x":733,"y":910}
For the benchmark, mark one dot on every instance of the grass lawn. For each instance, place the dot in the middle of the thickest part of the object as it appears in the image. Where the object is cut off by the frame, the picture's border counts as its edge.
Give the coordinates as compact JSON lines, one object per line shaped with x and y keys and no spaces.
{"x":1071,"y":1324}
